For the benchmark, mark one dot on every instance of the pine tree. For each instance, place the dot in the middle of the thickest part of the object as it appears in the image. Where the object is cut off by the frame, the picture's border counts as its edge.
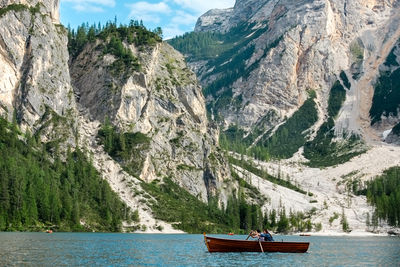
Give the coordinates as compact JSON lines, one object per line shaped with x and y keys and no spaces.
{"x":345,"y":224}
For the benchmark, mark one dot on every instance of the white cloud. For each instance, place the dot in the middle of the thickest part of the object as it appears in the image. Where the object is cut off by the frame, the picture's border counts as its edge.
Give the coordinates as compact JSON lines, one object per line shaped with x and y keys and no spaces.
{"x":202,"y":6}
{"x":90,"y":5}
{"x":148,"y":12}
{"x":171,"y":31}
{"x":183,"y":18}
{"x":143,"y":6}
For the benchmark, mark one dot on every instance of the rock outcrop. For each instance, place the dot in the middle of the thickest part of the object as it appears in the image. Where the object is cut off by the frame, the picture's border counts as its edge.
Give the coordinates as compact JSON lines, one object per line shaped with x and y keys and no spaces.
{"x":49,"y":7}
{"x":34,"y":74}
{"x":305,"y":45}
{"x":270,"y":56}
{"x":162,"y":101}
{"x":51,"y":94}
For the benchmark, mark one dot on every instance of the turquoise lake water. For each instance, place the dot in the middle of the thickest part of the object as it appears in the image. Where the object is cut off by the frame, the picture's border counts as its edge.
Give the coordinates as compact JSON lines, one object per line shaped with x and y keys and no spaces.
{"x":99,"y":249}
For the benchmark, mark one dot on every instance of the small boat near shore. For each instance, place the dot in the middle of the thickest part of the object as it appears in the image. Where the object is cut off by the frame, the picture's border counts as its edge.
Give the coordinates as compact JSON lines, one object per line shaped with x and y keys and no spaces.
{"x":215,"y":244}
{"x":305,"y":234}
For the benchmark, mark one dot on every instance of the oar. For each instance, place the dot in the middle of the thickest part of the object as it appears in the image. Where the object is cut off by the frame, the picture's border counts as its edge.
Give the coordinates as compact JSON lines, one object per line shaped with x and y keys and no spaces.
{"x":249,"y":235}
{"x":259,"y":242}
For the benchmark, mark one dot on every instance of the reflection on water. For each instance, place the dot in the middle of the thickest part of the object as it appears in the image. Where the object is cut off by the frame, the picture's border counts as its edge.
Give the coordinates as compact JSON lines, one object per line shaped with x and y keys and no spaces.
{"x":57,"y":249}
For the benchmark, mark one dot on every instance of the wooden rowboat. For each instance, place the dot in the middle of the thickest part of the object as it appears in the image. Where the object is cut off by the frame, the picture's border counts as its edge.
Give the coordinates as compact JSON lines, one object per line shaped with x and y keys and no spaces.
{"x":233,"y":245}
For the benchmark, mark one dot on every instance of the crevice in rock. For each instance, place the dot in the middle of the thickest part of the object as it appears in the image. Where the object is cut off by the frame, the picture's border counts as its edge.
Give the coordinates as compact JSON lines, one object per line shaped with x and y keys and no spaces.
{"x":21,"y":90}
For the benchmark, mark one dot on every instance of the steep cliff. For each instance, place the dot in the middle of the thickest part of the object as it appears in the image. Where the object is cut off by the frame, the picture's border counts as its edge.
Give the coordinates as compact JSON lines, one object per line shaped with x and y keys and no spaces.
{"x":308,"y":90}
{"x":34,"y":68}
{"x":269,"y":54}
{"x":137,"y":86}
{"x":160,"y":98}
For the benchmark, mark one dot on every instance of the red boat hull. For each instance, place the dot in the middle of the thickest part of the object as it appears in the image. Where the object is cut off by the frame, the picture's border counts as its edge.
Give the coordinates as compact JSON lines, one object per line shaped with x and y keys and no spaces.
{"x":232,"y":245}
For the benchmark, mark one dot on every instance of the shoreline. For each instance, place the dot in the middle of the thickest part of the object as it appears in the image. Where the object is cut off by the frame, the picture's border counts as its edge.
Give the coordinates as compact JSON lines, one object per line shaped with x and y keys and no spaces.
{"x":308,"y":234}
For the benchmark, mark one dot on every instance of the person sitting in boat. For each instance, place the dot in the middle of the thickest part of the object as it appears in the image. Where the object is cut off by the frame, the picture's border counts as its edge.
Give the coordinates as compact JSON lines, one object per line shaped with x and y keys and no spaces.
{"x":266,"y":236}
{"x":259,"y":235}
{"x":254,"y":234}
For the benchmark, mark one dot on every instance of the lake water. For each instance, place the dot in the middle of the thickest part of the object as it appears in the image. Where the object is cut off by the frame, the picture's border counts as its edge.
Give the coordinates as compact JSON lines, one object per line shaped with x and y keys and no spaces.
{"x":89,"y":249}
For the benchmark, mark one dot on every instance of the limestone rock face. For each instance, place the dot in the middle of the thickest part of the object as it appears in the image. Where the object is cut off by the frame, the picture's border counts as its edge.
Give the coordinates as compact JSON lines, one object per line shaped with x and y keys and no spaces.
{"x":163,"y":101}
{"x":50,"y":7}
{"x":305,"y":45}
{"x":34,"y":74}
{"x":214,"y":20}
{"x":40,"y":84}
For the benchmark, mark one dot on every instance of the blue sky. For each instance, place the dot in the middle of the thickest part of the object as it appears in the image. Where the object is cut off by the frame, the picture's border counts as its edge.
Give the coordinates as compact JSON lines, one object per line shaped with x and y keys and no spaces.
{"x":175,"y":17}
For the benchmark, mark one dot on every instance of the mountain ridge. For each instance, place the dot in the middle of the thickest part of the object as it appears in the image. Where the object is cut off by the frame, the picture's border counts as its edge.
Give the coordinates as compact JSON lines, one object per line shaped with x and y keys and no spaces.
{"x":335,"y":49}
{"x":257,"y":89}
{"x":124,"y":83}
{"x":131,"y":105}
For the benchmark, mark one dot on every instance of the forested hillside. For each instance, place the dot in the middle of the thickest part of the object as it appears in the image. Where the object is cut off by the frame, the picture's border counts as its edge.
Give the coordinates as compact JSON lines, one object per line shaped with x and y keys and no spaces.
{"x":173,"y":204}
{"x":283,"y":143}
{"x":324,"y":150}
{"x":41,"y":190}
{"x":134,"y":33}
{"x":386,"y":100}
{"x":226,"y":55}
{"x":293,"y":97}
{"x":383,"y":193}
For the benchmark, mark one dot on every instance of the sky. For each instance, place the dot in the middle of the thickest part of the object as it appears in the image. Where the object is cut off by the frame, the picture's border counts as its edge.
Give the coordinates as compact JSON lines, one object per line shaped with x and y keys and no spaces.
{"x":175,"y":17}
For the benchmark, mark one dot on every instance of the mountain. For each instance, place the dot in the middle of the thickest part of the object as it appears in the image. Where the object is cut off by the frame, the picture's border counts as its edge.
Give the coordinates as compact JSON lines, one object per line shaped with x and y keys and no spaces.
{"x":306,"y":90}
{"x":123,"y":100}
{"x":156,"y":96}
{"x":39,"y":186}
{"x":29,"y":44}
{"x":258,"y":61}
{"x":298,"y":140}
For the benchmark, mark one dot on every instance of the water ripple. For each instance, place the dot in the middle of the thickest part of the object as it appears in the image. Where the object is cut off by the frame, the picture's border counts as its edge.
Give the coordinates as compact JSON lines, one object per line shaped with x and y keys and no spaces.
{"x":94,"y":249}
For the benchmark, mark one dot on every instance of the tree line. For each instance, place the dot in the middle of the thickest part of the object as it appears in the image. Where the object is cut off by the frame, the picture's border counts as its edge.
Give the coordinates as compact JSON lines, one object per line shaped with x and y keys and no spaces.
{"x":383,"y":193}
{"x":133,"y":33}
{"x":39,"y":190}
{"x":114,"y":37}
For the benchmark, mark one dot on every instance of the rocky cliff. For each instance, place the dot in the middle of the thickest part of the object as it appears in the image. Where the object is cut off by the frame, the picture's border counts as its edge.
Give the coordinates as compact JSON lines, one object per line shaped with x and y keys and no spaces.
{"x":152,"y":95}
{"x":34,"y":68}
{"x":163,"y":101}
{"x":306,"y":83}
{"x":303,"y":45}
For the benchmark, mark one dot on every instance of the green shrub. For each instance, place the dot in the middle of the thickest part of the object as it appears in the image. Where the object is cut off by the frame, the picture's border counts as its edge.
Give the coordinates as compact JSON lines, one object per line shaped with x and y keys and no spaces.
{"x":126,"y":148}
{"x":334,"y":217}
{"x":396,"y":129}
{"x":345,"y":80}
{"x":357,"y":50}
{"x":345,"y":224}
{"x":12,"y":7}
{"x":386,"y":100}
{"x":337,"y":96}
